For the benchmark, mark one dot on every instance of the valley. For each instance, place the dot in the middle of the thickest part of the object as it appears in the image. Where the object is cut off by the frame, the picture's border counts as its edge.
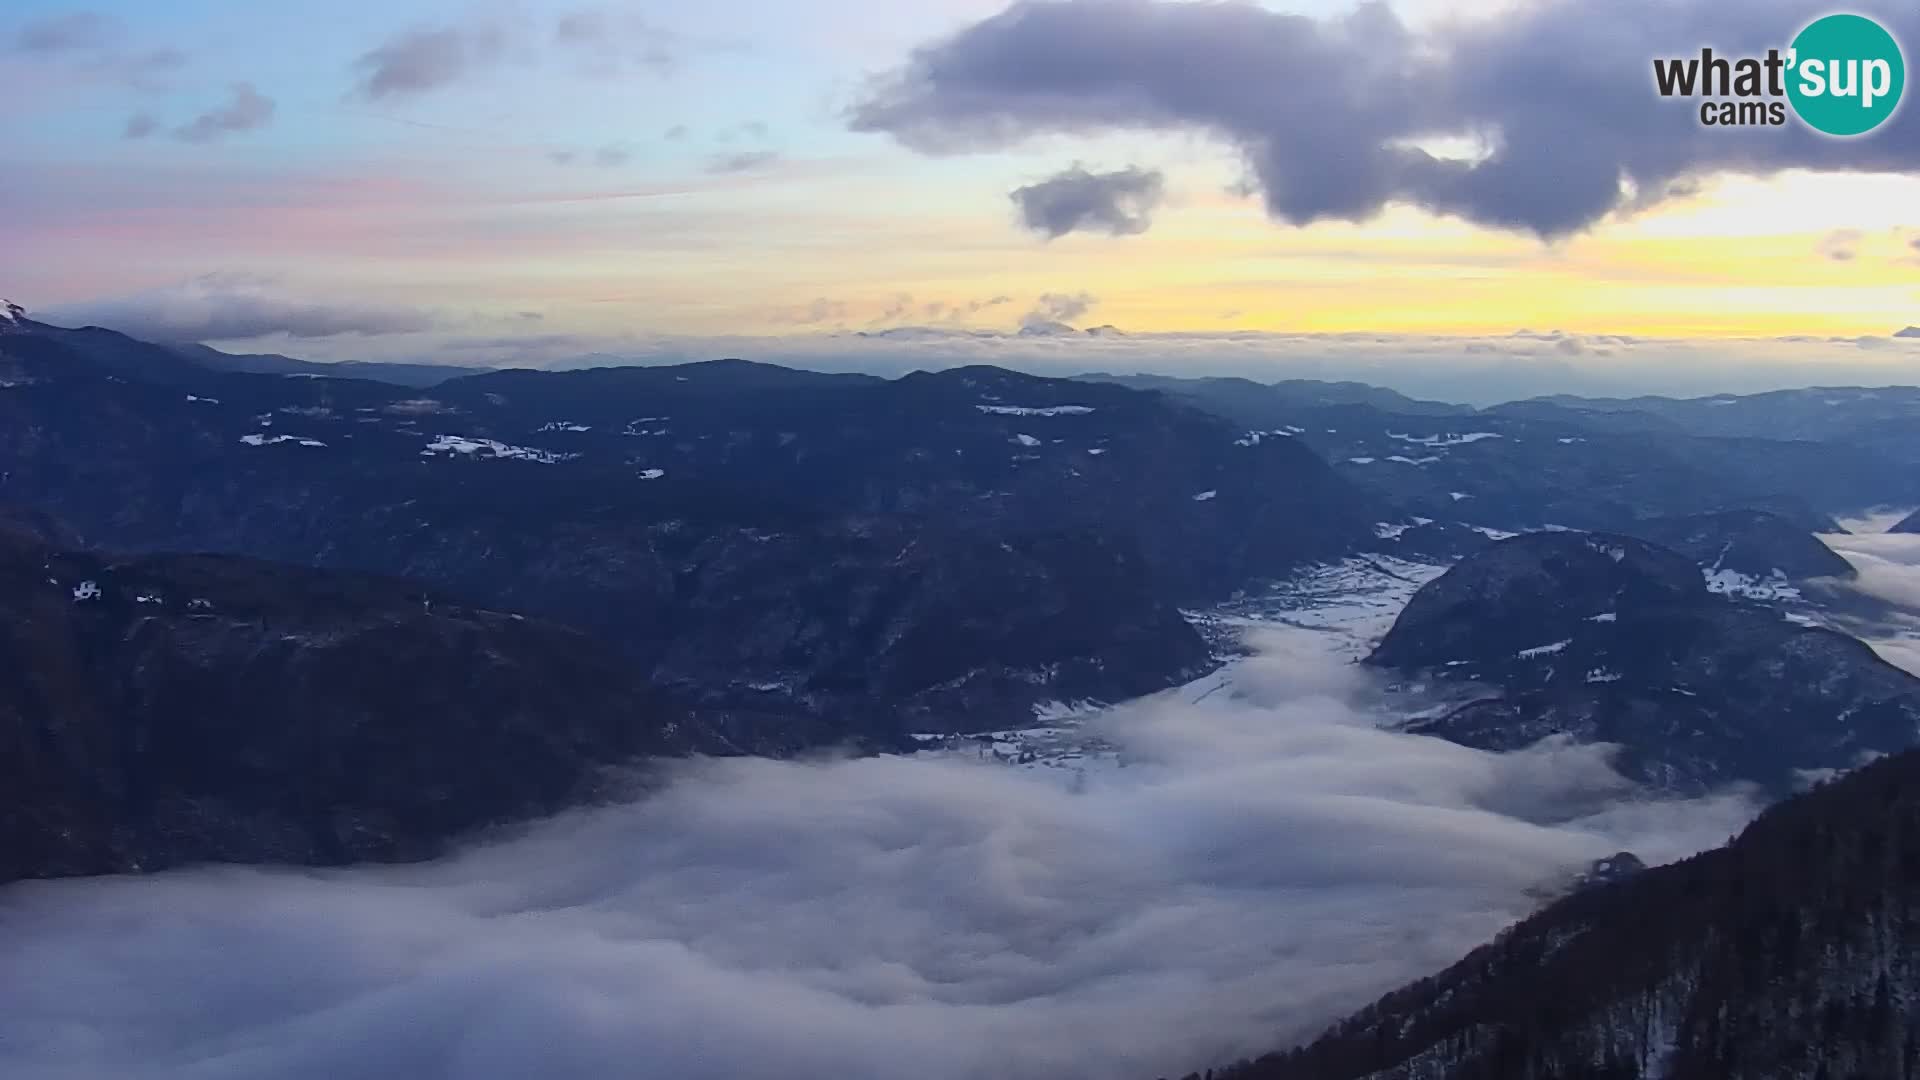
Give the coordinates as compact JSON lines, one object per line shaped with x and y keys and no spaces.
{"x":1144,"y":705}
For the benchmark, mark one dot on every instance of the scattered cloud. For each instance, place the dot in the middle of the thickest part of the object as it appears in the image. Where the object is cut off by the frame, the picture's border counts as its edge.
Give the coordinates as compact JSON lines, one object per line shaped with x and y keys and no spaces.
{"x":747,"y":131}
{"x":675,"y":133}
{"x":1336,"y":118}
{"x":1119,"y":203}
{"x":595,"y":41}
{"x":1268,"y":860}
{"x":420,"y":60}
{"x":93,"y":45}
{"x":74,"y":32}
{"x":247,"y":110}
{"x":228,"y":307}
{"x":608,"y":42}
{"x":898,"y":308}
{"x":821,"y":310}
{"x":1907,"y":332}
{"x":1841,"y":245}
{"x":609,"y":156}
{"x":743,"y":161}
{"x":144,"y":70}
{"x":1054,"y":312}
{"x":140,"y":125}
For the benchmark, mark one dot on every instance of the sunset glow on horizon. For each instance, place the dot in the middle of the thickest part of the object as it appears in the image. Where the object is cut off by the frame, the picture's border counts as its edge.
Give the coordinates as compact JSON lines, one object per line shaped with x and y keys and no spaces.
{"x":569,"y":174}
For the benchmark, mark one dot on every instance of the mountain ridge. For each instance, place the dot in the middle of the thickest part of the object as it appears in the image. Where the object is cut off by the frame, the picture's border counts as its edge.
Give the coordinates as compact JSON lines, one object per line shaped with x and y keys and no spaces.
{"x":652,"y":507}
{"x":181,"y":708}
{"x":1611,"y":639}
{"x":1790,"y":952}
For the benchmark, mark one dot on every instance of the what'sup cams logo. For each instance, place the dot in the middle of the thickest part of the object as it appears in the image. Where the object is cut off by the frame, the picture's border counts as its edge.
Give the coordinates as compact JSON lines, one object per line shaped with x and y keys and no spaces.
{"x":1842,"y":76}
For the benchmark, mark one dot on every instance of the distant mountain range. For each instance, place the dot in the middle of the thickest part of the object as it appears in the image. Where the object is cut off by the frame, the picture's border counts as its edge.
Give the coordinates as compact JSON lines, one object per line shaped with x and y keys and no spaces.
{"x":1254,"y":403}
{"x":418,"y":375}
{"x":1803,"y":454}
{"x":938,"y":551}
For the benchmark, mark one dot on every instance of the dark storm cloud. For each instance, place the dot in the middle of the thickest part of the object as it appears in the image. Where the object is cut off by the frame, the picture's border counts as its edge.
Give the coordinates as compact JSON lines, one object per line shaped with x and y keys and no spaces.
{"x":246,"y":110}
{"x":1328,"y":112}
{"x":1118,"y":203}
{"x":1269,"y":859}
{"x":421,"y":60}
{"x":223,"y":307}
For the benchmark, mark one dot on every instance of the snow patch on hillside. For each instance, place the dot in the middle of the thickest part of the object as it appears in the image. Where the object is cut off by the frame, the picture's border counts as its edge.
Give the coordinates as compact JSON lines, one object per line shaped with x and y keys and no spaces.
{"x":1044,"y":410}
{"x":479,"y":449}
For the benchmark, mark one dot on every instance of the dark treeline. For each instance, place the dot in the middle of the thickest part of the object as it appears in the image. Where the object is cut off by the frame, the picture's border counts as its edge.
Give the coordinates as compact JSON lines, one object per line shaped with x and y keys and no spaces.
{"x":1793,"y":952}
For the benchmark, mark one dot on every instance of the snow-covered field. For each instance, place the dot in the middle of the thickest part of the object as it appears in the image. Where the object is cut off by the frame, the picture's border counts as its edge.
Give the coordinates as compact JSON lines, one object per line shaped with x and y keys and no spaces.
{"x":1339,"y":610}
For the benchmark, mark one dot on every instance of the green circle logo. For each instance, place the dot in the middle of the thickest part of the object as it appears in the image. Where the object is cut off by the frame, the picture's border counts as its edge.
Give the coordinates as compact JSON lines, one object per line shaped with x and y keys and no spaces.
{"x":1846,"y":74}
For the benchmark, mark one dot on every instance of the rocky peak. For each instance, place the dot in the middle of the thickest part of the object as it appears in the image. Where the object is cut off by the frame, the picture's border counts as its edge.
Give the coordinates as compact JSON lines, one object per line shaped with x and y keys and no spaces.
{"x":1616,"y":867}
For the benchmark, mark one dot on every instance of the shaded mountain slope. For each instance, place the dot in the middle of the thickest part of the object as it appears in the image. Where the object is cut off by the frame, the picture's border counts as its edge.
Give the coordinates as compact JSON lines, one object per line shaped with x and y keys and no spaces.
{"x":1610,"y":639}
{"x":1040,"y":534}
{"x":1751,"y":543}
{"x":1793,"y":952}
{"x":180,"y":708}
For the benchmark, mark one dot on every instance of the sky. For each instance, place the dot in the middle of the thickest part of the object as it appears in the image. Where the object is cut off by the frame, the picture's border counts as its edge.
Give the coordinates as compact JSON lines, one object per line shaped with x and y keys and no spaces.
{"x":1464,"y":198}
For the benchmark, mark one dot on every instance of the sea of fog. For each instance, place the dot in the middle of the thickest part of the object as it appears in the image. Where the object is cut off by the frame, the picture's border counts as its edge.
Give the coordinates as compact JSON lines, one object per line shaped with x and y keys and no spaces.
{"x":1267,"y":858}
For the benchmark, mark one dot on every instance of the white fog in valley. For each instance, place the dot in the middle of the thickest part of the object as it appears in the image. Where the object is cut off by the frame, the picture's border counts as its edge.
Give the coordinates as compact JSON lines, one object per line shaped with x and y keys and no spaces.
{"x":1266,"y":859}
{"x":1888,"y":569}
